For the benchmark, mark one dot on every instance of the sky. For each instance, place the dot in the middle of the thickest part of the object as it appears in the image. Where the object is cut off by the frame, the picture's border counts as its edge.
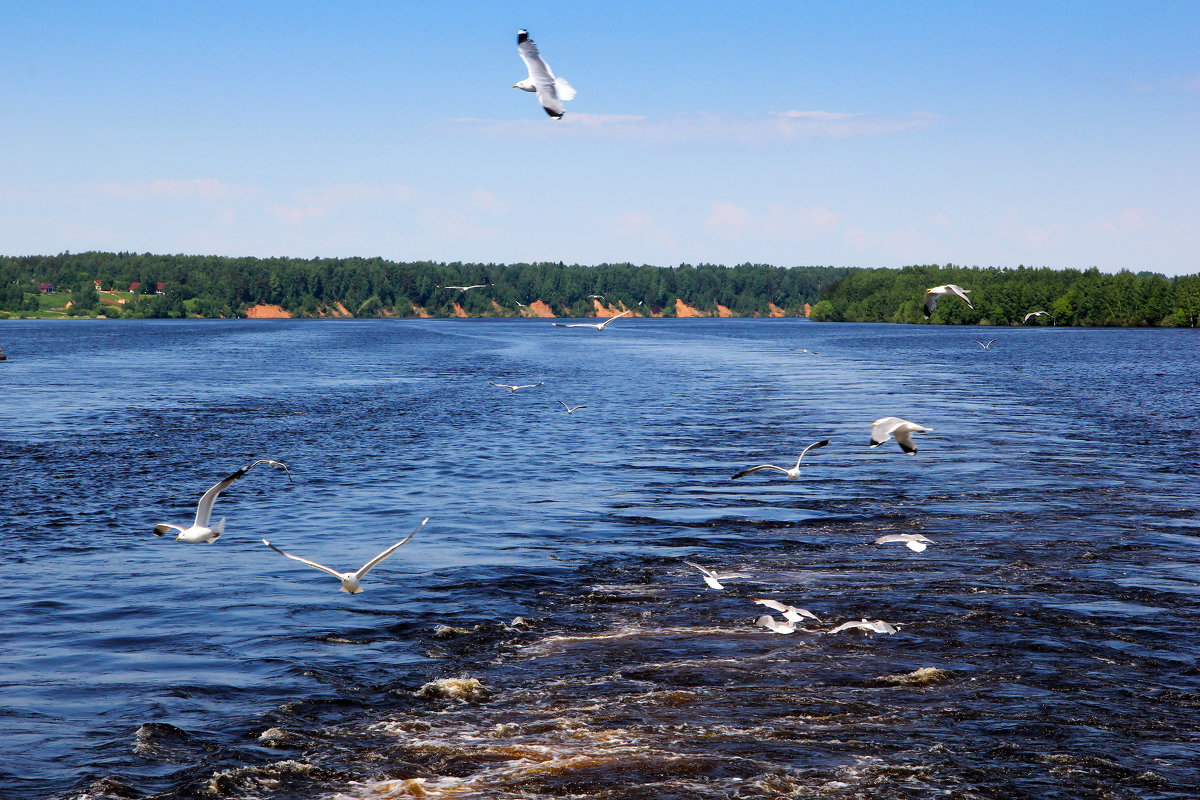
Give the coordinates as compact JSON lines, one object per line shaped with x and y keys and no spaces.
{"x":865,"y":134}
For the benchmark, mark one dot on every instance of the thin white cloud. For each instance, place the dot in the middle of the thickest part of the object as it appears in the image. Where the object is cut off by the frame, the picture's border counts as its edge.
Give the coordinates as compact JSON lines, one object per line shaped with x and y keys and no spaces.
{"x":778,"y":222}
{"x":198,"y":189}
{"x":642,"y":228}
{"x":776,"y":127}
{"x":1128,"y":220}
{"x":321,"y":201}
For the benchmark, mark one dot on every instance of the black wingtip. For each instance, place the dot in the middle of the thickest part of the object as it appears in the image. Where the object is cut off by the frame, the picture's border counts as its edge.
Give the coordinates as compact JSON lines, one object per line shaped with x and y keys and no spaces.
{"x":556,"y":115}
{"x":522,"y":36}
{"x":906,"y":448}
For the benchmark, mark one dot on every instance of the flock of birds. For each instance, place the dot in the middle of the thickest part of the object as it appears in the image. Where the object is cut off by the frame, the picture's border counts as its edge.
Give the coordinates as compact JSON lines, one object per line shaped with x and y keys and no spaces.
{"x":203,"y":529}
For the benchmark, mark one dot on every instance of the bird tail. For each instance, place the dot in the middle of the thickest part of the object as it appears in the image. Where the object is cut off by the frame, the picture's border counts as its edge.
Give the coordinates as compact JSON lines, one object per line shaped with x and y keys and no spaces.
{"x":217,"y":530}
{"x":565,"y":90}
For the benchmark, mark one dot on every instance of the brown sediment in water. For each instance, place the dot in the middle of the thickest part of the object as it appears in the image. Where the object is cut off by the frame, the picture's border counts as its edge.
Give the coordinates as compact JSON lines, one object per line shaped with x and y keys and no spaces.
{"x":267,"y":311}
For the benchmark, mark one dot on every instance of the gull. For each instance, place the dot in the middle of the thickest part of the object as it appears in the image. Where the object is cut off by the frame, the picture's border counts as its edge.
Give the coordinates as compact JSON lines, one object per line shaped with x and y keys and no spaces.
{"x":513,"y":388}
{"x":595,"y":297}
{"x":712,"y":578}
{"x":984,"y":345}
{"x":811,"y":352}
{"x":878,"y":626}
{"x":520,"y":304}
{"x":914,"y":541}
{"x":793,"y":473}
{"x":597,"y":325}
{"x":201,"y":530}
{"x":774,"y":625}
{"x":569,"y":409}
{"x":902,"y":429}
{"x":465,"y":288}
{"x":790,"y":613}
{"x":551,"y":91}
{"x":1035,"y":314}
{"x":351,"y":581}
{"x":932,"y":295}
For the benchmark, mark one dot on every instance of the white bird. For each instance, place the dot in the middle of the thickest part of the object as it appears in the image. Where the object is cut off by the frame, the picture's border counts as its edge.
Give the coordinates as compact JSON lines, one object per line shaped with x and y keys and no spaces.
{"x":520,"y":304}
{"x":351,"y":581}
{"x":932,"y":295}
{"x":878,"y":626}
{"x":902,"y":429}
{"x":793,"y":473}
{"x":595,"y":297}
{"x":774,"y":625}
{"x":984,"y":345}
{"x":1035,"y":314}
{"x":513,"y":388}
{"x":570,"y":410}
{"x":465,"y":288}
{"x":790,"y":613}
{"x":913,"y":541}
{"x":712,"y":578}
{"x":201,"y":530}
{"x":811,"y":352}
{"x":597,"y":325}
{"x":551,"y":91}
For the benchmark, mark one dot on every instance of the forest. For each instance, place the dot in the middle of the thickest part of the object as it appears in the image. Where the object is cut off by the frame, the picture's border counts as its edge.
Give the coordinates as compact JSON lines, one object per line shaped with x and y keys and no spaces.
{"x":177,"y":286}
{"x":1005,"y":296}
{"x":213,"y":286}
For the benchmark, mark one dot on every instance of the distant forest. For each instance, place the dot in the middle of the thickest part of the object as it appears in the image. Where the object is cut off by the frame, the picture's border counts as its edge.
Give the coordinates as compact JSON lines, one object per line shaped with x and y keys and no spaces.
{"x":146,"y":285}
{"x":212,"y":286}
{"x":1005,"y":296}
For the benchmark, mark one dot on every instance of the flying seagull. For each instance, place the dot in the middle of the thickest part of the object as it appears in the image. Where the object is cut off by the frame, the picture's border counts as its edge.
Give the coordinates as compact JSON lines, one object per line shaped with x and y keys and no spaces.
{"x":520,"y":304}
{"x":201,"y":530}
{"x":351,"y":581}
{"x":712,"y":578}
{"x":878,"y":626}
{"x":595,"y":297}
{"x":913,"y":541}
{"x":513,"y":388}
{"x":902,"y":429}
{"x":465,"y":288}
{"x":597,"y":325}
{"x":552,"y":92}
{"x":774,"y":625}
{"x":1035,"y":314}
{"x":984,"y":345}
{"x":571,"y":410}
{"x":790,"y":613}
{"x":932,"y":295}
{"x":793,"y":473}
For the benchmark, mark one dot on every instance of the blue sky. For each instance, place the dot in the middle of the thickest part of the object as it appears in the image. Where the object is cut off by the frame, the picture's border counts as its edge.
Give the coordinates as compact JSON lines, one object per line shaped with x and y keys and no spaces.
{"x":791,"y":133}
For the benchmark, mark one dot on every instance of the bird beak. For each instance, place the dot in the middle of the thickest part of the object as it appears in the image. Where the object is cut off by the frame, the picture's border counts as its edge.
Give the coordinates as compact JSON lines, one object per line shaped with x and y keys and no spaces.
{"x":515,"y":86}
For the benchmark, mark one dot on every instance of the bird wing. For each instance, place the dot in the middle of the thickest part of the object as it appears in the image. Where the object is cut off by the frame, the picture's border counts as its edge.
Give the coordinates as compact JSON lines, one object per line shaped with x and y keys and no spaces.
{"x":903,"y":436}
{"x":165,"y":527}
{"x":961,"y":292}
{"x":204,"y":509}
{"x":505,"y":385}
{"x":312,"y":564}
{"x":704,"y":570}
{"x":756,"y":469}
{"x":881,"y":429}
{"x":540,"y":74}
{"x":845,"y":626}
{"x":573,"y":324}
{"x":892,"y":537}
{"x":565,"y":92}
{"x":726,"y":576}
{"x":367,"y":566}
{"x":772,"y":604}
{"x":989,"y":342}
{"x":610,"y":319}
{"x":930,"y":303}
{"x":812,"y":446}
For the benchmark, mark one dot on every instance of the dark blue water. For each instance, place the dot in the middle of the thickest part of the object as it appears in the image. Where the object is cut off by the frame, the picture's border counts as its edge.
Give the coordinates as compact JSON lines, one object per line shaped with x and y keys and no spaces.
{"x":541,"y":637}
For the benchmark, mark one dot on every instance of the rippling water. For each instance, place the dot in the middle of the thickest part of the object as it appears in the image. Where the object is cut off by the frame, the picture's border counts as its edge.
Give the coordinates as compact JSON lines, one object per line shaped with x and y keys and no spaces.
{"x":541,"y":637}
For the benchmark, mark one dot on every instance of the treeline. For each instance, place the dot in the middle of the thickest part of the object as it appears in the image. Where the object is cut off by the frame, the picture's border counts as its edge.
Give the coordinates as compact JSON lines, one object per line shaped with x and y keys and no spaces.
{"x":1005,"y":296}
{"x":215,"y":286}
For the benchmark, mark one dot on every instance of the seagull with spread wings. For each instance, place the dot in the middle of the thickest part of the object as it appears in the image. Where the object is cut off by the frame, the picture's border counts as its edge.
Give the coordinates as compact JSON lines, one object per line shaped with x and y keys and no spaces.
{"x":902,"y":429}
{"x":351,"y":581}
{"x":513,"y":387}
{"x":201,"y":530}
{"x":793,"y":473}
{"x":712,"y":578}
{"x":932,"y":295}
{"x":551,"y":91}
{"x":597,"y":325}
